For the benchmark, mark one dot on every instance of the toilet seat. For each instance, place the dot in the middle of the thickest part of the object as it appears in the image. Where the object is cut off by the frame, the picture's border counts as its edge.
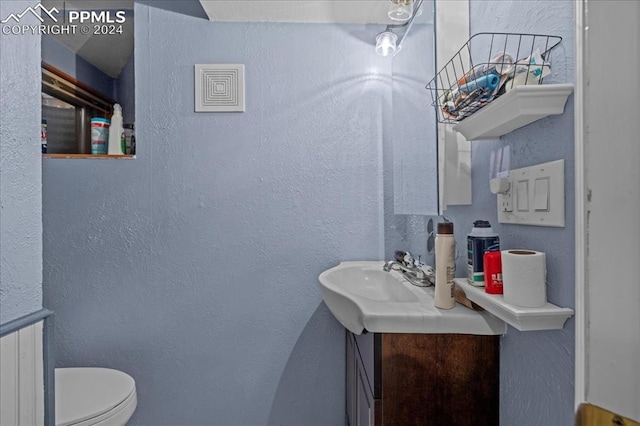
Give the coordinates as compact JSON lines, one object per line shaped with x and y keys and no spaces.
{"x":93,"y":396}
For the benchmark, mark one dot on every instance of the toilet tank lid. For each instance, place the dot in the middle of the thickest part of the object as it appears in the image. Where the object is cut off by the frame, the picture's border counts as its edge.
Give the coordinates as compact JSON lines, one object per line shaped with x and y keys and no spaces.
{"x":83,"y":393}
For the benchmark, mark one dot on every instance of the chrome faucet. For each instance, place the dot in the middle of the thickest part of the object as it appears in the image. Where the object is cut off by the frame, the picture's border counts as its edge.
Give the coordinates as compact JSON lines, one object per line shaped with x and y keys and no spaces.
{"x":416,"y":272}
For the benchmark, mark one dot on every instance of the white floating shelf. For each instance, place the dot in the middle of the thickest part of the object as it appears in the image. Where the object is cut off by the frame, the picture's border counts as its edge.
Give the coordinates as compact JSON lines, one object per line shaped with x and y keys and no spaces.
{"x":549,"y":317}
{"x":520,"y":106}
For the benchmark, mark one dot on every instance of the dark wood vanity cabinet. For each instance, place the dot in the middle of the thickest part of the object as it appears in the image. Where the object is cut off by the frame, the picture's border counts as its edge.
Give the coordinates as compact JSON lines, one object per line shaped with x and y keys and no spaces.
{"x":422,"y":379}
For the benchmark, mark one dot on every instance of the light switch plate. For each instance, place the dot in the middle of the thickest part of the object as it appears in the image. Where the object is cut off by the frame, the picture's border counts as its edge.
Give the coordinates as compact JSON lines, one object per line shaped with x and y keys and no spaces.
{"x":526,"y":182}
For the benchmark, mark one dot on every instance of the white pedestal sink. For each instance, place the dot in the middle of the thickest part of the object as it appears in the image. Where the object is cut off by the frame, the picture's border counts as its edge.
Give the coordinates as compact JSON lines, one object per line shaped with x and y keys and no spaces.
{"x":364,"y":297}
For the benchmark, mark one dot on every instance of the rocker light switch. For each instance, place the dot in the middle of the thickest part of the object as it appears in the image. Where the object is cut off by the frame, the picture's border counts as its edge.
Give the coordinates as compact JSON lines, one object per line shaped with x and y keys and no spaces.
{"x":523,"y":196}
{"x":541,"y":195}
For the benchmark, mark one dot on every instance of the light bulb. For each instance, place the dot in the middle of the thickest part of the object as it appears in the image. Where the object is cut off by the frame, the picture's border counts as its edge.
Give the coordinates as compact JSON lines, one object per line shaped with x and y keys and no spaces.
{"x":400,"y":10}
{"x":386,"y":43}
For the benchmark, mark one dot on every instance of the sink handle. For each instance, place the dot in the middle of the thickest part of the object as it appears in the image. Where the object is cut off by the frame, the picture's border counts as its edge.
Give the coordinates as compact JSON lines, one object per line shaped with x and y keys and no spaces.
{"x":405,"y":258}
{"x":426,"y":271}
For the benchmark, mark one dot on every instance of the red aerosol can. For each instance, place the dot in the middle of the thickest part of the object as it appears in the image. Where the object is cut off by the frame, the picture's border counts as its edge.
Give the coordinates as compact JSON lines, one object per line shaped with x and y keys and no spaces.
{"x":493,"y":272}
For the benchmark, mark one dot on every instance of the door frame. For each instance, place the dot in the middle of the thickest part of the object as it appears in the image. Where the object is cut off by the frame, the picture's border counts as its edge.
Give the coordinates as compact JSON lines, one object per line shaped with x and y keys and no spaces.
{"x":580,"y":210}
{"x":607,"y":199}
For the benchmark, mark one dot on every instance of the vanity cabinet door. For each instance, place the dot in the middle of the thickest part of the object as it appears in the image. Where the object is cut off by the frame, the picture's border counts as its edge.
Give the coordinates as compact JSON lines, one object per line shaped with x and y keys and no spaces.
{"x":398,"y":379}
{"x":440,"y":379}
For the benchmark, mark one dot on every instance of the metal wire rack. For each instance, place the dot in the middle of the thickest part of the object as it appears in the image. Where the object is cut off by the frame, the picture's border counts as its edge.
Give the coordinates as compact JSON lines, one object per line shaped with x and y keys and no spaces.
{"x":487,"y":66}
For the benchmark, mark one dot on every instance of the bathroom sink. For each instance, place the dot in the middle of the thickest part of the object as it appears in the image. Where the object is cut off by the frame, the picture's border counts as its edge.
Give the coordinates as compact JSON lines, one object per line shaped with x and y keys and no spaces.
{"x":364,"y":297}
{"x":371,"y":282}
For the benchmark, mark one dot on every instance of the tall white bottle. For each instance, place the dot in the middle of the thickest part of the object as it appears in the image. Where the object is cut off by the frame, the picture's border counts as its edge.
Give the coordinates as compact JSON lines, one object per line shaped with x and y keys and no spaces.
{"x":116,"y":132}
{"x":445,"y":266}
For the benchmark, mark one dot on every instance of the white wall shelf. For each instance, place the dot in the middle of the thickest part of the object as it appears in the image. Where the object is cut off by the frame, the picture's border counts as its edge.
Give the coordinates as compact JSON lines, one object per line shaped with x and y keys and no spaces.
{"x":548,"y":317}
{"x":520,"y":106}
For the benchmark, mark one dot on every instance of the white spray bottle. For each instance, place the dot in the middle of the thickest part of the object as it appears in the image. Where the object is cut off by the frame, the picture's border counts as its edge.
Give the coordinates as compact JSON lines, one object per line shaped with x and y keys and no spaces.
{"x":116,"y":132}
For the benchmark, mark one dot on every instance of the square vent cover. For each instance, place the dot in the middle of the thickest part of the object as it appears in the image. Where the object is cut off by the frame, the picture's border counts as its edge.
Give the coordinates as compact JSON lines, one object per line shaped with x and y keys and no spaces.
{"x":219,"y":87}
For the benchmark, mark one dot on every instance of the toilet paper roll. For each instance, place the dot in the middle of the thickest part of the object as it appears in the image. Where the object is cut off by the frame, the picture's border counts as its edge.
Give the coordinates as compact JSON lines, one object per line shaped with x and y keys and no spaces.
{"x":523,"y":277}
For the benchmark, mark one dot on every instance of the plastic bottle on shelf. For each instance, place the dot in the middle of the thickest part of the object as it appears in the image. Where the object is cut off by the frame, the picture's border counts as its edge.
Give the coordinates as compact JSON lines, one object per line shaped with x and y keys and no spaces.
{"x":116,"y":132}
{"x":99,"y":135}
{"x":481,"y":239}
{"x":445,"y":266}
{"x":129,"y":139}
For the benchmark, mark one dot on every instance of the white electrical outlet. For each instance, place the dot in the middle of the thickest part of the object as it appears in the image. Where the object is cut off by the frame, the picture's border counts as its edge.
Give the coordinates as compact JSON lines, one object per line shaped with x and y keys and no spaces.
{"x":535,"y":196}
{"x":505,"y":201}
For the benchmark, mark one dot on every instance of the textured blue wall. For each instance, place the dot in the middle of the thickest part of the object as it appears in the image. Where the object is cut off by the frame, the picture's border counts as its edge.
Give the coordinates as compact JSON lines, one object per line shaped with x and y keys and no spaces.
{"x":537,"y":368}
{"x":194,"y":267}
{"x":20,"y":173}
{"x":126,"y":95}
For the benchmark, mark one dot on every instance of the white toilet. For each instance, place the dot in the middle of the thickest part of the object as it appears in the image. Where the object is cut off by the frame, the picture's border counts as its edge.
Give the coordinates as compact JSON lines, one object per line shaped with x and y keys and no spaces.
{"x":94,"y":396}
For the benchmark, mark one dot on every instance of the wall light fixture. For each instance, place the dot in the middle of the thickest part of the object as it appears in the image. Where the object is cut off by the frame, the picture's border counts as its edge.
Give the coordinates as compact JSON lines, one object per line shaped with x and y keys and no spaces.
{"x":387,"y":43}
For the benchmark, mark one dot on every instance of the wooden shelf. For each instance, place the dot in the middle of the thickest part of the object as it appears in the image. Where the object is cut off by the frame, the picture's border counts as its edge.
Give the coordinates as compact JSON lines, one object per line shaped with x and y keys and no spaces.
{"x":548,"y":317}
{"x":90,"y":156}
{"x":519,"y":107}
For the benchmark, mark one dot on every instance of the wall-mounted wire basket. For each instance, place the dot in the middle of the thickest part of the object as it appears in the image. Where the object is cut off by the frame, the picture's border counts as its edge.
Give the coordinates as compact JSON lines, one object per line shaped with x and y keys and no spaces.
{"x":486,"y":67}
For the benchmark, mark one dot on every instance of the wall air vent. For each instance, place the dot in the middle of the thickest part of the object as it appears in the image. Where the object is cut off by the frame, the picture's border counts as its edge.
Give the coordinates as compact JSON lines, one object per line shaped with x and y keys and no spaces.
{"x":219,"y":88}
